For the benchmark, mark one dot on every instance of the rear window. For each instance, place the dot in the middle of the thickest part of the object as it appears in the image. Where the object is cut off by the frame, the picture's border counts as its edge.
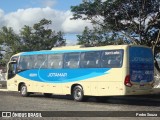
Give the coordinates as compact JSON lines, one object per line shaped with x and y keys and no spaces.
{"x":140,"y":55}
{"x":141,"y":64}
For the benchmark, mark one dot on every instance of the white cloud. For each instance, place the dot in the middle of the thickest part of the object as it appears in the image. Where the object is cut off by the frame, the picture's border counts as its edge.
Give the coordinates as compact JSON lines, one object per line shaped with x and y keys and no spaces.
{"x":60,"y":19}
{"x":1,"y":17}
{"x":74,"y":26}
{"x":1,"y":13}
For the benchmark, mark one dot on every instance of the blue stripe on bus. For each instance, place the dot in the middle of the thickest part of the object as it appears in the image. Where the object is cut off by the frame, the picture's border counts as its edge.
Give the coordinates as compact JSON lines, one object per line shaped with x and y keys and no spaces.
{"x":52,"y":51}
{"x":62,"y":75}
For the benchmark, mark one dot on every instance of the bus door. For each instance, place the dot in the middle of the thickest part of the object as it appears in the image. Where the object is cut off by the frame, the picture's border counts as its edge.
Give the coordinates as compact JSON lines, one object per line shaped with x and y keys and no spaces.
{"x":11,"y":73}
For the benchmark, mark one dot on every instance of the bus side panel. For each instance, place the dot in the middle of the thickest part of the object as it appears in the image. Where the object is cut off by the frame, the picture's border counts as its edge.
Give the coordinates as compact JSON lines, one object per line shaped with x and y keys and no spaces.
{"x":31,"y":85}
{"x":86,"y":85}
{"x":109,"y":84}
{"x":112,"y":83}
{"x":106,"y":85}
{"x":12,"y":85}
{"x":51,"y":88}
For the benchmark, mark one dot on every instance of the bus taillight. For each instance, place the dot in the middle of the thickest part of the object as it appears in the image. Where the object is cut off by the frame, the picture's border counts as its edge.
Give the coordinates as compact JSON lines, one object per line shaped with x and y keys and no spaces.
{"x":127,"y":81}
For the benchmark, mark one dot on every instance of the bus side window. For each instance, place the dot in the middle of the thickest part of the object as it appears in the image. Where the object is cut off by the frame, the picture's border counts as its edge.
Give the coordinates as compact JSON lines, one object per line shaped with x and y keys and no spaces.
{"x":112,"y":58}
{"x":55,"y":61}
{"x":71,"y":60}
{"x":41,"y":61}
{"x":90,"y":59}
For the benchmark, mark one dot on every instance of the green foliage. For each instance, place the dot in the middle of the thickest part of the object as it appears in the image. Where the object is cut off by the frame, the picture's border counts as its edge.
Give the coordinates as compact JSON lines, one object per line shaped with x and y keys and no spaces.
{"x":37,"y":37}
{"x":40,"y":37}
{"x":98,"y":37}
{"x":137,"y":20}
{"x":9,"y":40}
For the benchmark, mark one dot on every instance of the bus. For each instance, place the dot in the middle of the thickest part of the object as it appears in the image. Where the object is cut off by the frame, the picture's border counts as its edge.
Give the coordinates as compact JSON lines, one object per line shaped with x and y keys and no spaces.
{"x":114,"y":70}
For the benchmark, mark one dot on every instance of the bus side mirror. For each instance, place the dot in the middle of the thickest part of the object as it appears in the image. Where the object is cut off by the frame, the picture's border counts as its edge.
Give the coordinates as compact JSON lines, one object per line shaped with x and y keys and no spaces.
{"x":12,"y":69}
{"x":13,"y":62}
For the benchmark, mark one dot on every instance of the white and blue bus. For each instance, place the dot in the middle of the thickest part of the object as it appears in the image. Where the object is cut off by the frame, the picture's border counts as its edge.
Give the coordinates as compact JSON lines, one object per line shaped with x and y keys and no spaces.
{"x":83,"y":71}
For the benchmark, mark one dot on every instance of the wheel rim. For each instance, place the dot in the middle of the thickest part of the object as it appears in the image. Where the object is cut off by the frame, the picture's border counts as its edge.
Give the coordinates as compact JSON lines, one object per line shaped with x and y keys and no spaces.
{"x":23,"y":90}
{"x":77,"y":94}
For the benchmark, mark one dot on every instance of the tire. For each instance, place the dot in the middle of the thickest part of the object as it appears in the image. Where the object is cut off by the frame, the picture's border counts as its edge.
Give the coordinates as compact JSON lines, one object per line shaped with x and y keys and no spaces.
{"x":23,"y":91}
{"x":48,"y":95}
{"x":78,"y":94}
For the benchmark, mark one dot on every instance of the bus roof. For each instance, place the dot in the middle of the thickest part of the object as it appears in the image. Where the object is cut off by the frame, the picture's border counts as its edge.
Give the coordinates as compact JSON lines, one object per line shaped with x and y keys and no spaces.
{"x":81,"y":47}
{"x":77,"y":48}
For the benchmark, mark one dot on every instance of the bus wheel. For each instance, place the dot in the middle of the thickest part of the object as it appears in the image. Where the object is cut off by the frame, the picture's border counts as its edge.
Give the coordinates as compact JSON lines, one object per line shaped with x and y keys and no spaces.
{"x":78,"y":94}
{"x":23,"y":91}
{"x":47,"y":94}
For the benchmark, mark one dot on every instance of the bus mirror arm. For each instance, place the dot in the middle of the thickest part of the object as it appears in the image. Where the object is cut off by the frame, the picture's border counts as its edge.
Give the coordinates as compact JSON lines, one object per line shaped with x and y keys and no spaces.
{"x":13,"y":62}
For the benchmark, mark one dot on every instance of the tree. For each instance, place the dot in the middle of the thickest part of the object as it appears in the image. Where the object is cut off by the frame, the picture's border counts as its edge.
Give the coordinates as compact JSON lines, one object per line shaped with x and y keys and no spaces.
{"x":37,"y":37}
{"x":9,"y":43}
{"x":40,"y":37}
{"x":137,"y":20}
{"x":9,"y":39}
{"x":98,"y":37}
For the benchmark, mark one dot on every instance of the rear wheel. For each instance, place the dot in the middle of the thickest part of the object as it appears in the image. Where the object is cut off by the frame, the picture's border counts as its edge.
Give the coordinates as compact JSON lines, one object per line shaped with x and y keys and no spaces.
{"x":77,"y":93}
{"x":23,"y":91}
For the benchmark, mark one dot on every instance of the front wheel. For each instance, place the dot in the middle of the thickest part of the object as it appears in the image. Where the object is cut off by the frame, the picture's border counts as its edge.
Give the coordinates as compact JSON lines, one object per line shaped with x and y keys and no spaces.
{"x":78,"y":94}
{"x":23,"y":91}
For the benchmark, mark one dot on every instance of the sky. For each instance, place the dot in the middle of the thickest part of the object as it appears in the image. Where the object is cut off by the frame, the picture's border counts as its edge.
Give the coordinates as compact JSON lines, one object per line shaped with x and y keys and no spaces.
{"x":17,"y":13}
